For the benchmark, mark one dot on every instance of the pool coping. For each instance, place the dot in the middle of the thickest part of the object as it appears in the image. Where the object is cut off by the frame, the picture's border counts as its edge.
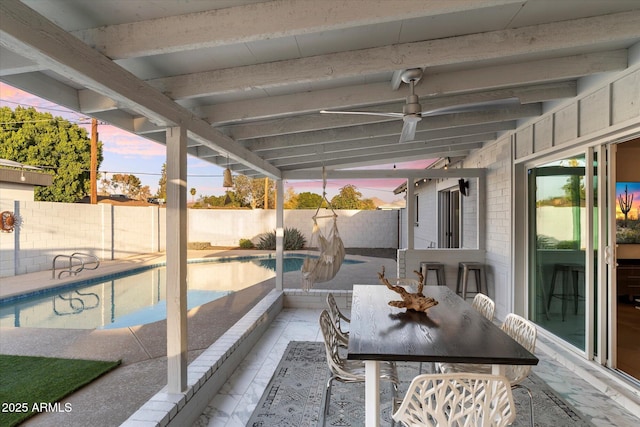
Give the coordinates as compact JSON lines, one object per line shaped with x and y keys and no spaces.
{"x":74,"y":281}
{"x":209,"y":372}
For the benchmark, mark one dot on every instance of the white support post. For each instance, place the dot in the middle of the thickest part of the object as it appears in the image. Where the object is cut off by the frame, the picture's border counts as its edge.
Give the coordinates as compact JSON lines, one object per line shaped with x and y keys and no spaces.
{"x":372,"y":393}
{"x":411,"y":213}
{"x":279,"y":234}
{"x":176,"y":259}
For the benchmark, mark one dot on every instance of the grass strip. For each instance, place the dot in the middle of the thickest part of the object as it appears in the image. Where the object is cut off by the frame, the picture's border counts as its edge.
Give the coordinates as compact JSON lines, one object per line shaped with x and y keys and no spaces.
{"x":30,"y":385}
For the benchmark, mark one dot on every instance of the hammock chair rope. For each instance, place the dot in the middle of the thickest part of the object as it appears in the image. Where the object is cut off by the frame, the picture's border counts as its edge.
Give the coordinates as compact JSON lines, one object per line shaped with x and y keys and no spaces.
{"x":332,"y":252}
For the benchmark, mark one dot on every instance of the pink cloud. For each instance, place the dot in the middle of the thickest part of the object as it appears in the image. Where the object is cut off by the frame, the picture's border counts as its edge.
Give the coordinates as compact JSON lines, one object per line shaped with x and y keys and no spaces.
{"x":123,"y":143}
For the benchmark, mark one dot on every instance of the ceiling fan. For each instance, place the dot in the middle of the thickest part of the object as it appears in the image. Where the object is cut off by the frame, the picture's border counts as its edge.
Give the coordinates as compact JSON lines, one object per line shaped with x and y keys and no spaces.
{"x":411,"y":111}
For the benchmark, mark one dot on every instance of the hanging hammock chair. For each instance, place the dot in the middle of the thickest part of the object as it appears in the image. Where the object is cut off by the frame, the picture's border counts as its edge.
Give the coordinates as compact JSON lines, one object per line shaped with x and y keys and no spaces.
{"x":324,"y":267}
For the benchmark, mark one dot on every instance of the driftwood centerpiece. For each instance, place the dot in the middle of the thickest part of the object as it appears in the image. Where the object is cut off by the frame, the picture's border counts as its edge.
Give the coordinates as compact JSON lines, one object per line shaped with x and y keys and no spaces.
{"x":411,"y":301}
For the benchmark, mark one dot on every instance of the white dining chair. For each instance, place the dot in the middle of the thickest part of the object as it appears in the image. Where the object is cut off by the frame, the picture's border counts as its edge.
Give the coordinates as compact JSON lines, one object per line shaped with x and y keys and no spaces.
{"x":338,"y":319}
{"x":484,"y":305}
{"x":460,"y":400}
{"x":522,"y":331}
{"x":348,"y":371}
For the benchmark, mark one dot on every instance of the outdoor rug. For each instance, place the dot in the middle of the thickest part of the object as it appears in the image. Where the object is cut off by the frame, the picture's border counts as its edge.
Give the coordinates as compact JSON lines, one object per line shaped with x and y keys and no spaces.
{"x":295,"y":395}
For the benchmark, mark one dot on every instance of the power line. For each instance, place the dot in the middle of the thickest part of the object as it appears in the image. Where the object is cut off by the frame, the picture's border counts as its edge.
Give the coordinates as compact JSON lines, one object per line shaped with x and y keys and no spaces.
{"x":80,"y":120}
{"x":22,"y":104}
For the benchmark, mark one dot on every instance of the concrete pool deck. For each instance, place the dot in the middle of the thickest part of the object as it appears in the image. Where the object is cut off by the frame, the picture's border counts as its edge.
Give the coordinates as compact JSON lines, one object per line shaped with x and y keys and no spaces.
{"x":110,"y":400}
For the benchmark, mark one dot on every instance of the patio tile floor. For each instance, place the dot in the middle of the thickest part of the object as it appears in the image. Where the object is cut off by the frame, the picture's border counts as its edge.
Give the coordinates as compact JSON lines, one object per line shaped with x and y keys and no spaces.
{"x":111,"y":399}
{"x":234,"y":404}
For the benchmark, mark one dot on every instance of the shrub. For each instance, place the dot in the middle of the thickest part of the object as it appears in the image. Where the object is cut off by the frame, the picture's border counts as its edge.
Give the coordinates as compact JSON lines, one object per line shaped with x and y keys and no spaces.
{"x":293,"y":240}
{"x":267,"y":241}
{"x":199,"y":245}
{"x":246,"y":244}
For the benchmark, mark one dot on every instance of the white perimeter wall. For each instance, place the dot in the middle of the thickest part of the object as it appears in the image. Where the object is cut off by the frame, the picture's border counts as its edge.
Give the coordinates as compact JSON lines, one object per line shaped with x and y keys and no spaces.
{"x":113,"y":232}
{"x":358,"y":229}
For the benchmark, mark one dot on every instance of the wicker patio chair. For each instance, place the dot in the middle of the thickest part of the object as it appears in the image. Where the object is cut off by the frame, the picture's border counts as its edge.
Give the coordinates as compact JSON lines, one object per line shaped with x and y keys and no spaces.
{"x":460,"y":400}
{"x":347,"y":371}
{"x":484,"y":305}
{"x":525,"y":333}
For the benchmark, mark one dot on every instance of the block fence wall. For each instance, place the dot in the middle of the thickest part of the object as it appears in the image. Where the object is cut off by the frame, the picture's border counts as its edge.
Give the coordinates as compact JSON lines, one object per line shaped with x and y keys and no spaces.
{"x":114,"y":232}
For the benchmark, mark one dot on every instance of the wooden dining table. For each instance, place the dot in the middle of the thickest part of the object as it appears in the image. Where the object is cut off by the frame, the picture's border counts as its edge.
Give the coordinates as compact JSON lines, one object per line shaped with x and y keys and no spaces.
{"x":452,"y":331}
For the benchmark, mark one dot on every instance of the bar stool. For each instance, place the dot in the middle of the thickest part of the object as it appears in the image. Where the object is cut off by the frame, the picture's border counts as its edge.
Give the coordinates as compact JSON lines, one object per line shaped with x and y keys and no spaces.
{"x":568,"y":271}
{"x":438,"y":267}
{"x":463,"y":277}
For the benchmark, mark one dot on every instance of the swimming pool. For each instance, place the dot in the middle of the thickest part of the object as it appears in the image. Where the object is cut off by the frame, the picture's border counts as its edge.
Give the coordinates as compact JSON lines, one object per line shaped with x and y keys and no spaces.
{"x":137,"y":297}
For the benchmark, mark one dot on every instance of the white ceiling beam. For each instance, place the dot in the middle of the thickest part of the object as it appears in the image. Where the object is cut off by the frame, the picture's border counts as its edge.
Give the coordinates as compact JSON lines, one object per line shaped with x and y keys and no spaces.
{"x":338,"y":99}
{"x":23,"y":30}
{"x":269,"y":20}
{"x":565,"y":38}
{"x":396,"y":156}
{"x":92,"y":102}
{"x":370,"y":133}
{"x":299,"y":103}
{"x":391,"y":173}
{"x":14,"y":63}
{"x":446,"y":121}
{"x":298,"y":124}
{"x":531,"y":72}
{"x":311,"y":122}
{"x":419,"y":148}
{"x":142,"y":125}
{"x":375,"y":145}
{"x":487,"y":78}
{"x":45,"y":87}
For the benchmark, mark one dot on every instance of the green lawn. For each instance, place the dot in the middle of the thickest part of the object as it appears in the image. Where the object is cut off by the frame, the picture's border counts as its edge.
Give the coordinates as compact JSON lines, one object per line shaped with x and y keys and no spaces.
{"x":29,"y":385}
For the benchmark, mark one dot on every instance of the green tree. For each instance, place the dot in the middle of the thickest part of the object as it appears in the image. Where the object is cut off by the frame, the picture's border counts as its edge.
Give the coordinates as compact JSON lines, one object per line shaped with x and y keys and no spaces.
{"x":348,"y":198}
{"x":144,"y":193}
{"x":105,"y":184}
{"x":127,"y":184}
{"x":249,"y":192}
{"x":193,"y":193}
{"x":290,"y":199}
{"x":242,"y":190}
{"x":62,"y":148}
{"x":228,"y":200}
{"x":309,"y":200}
{"x":368,"y":205}
{"x":162,"y":183}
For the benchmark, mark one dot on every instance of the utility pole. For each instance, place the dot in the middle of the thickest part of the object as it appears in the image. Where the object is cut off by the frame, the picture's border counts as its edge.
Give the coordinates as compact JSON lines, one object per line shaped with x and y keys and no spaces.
{"x":94,"y":162}
{"x":266,"y":193}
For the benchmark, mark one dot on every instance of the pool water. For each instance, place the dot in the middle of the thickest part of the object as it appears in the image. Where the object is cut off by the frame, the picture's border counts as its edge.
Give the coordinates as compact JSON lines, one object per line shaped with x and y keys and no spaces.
{"x":137,"y":298}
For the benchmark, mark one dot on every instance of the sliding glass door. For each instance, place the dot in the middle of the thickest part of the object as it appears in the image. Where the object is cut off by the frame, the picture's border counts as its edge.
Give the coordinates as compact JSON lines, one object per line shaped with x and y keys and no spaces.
{"x":558,"y":231}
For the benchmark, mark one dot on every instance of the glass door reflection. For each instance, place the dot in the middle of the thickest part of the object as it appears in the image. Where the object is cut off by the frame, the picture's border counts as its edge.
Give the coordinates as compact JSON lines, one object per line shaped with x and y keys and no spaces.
{"x":558,"y":233}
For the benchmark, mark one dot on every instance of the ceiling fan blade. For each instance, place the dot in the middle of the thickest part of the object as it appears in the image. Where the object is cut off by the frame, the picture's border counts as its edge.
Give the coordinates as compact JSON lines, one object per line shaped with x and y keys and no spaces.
{"x":366,"y":113}
{"x":408,"y":130}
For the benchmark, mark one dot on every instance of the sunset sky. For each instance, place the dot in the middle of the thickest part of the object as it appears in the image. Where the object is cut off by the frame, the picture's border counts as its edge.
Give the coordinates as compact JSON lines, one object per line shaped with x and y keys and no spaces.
{"x":128,"y":153}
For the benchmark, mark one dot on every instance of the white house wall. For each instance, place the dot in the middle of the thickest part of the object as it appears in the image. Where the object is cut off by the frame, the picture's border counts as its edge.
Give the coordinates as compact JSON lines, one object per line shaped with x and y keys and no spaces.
{"x":426,"y":230}
{"x":607,"y":108}
{"x":426,"y":233}
{"x":496,"y":158}
{"x":469,"y":206}
{"x":13,"y":191}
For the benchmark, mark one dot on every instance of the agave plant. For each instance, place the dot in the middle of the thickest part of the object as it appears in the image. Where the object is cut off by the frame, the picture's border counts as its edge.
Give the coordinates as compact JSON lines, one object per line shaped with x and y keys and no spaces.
{"x":293,"y":240}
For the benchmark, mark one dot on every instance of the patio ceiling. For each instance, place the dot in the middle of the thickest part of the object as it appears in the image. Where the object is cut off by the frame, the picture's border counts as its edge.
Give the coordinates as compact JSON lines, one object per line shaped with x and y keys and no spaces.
{"x":249,"y":78}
